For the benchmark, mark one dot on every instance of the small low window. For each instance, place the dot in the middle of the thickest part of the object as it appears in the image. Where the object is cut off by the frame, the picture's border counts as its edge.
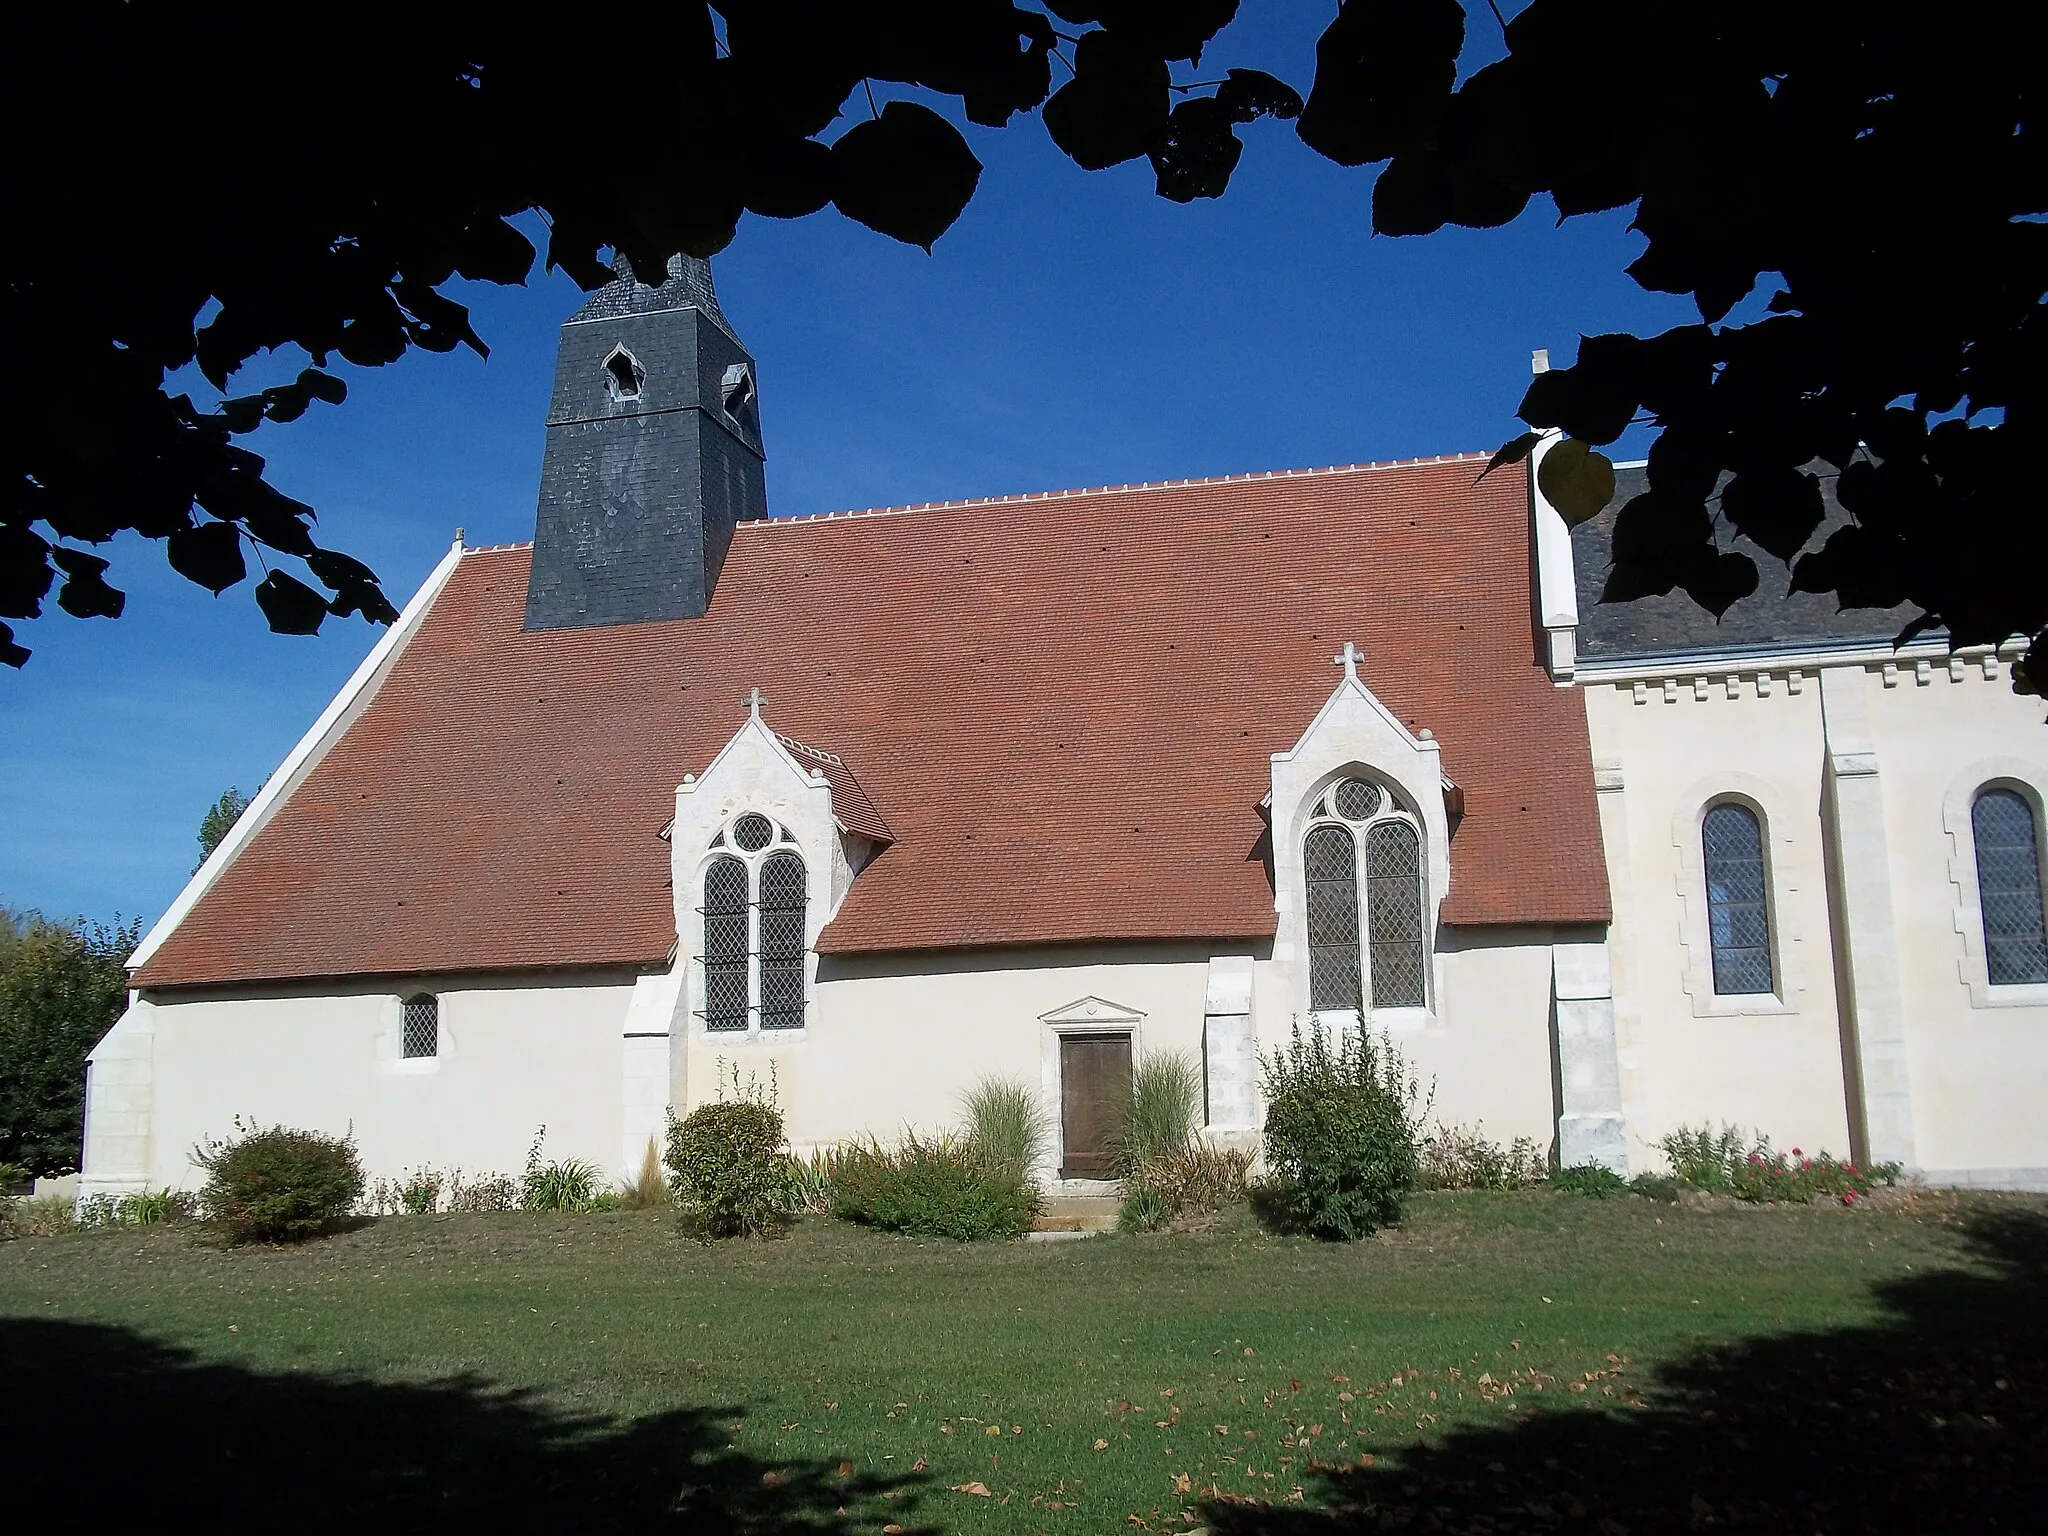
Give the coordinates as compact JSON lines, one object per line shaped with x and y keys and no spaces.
{"x":422,"y":1026}
{"x":623,"y":375}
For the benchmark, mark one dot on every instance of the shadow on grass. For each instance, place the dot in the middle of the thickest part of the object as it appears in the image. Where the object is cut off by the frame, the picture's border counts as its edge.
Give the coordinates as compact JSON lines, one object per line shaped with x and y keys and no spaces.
{"x":1935,"y":1419}
{"x":104,"y":1418}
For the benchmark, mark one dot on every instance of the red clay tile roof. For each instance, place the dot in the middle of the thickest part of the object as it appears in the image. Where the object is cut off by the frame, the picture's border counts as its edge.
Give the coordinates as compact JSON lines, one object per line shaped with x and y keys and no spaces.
{"x":851,"y":807}
{"x":1062,"y":705}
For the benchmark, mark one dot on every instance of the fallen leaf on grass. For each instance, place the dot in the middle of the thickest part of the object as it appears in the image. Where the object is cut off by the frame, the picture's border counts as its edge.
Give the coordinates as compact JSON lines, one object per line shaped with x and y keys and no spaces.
{"x":1102,"y":1445}
{"x":772,"y":1479}
{"x":919,"y":1465}
{"x":992,"y":1429}
{"x":1182,"y":1483}
{"x":846,"y":1469}
{"x":945,"y":1429}
{"x":895,"y":1530}
{"x":979,"y":1490}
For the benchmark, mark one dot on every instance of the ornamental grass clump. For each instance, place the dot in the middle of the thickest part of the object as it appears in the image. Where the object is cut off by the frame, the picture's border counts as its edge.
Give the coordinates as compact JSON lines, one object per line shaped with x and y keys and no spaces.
{"x":1166,"y":1168}
{"x":1342,"y":1133}
{"x":932,"y":1187}
{"x":647,"y":1190}
{"x":278,"y":1185}
{"x":1006,"y":1125}
{"x":575,"y":1185}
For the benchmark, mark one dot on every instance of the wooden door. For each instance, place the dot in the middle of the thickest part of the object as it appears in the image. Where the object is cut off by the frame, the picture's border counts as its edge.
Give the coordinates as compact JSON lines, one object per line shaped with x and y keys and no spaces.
{"x":1095,"y":1084}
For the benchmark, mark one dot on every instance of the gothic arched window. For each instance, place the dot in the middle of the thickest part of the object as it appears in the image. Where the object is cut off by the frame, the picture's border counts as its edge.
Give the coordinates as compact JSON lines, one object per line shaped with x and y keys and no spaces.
{"x":2009,"y":888}
{"x":755,"y":912}
{"x":1330,"y":861}
{"x":782,"y":941}
{"x":1738,"y":900}
{"x":1393,"y":914}
{"x":725,"y":943}
{"x":1372,"y":953}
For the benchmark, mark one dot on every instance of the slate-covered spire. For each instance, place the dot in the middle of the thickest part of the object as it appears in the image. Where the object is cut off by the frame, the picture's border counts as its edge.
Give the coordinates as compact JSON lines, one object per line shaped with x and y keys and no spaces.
{"x":653,"y":453}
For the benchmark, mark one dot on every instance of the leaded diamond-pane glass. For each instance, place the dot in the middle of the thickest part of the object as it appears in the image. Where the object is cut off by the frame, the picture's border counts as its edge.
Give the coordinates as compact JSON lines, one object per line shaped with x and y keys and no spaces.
{"x":1329,"y":859}
{"x":725,"y":944}
{"x":753,"y":832}
{"x":1393,"y":916}
{"x":783,"y":891}
{"x":422,"y":1026}
{"x":2009,"y":888}
{"x":1738,"y":902}
{"x":1357,"y":799}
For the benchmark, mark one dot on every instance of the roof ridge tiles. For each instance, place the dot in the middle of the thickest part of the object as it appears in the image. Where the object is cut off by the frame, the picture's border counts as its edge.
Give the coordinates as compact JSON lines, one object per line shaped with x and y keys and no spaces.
{"x":1014,"y":497}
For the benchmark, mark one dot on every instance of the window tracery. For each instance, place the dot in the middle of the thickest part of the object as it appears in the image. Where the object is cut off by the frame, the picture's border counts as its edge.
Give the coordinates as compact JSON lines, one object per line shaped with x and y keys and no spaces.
{"x":756,"y":906}
{"x":1372,"y":952}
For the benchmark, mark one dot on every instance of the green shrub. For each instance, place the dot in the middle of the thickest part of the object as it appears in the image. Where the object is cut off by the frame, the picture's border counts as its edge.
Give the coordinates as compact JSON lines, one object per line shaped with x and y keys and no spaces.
{"x":932,"y":1188}
{"x":576,"y":1185}
{"x":1728,"y":1163}
{"x":278,"y":1185}
{"x":1005,"y":1124}
{"x":420,"y":1194}
{"x":1455,"y":1157}
{"x":11,"y":1176}
{"x":138,"y":1208}
{"x":1590,"y":1179}
{"x":486,"y":1192}
{"x":1705,"y":1158}
{"x":37,"y":1216}
{"x":1341,"y":1134}
{"x":727,"y":1168}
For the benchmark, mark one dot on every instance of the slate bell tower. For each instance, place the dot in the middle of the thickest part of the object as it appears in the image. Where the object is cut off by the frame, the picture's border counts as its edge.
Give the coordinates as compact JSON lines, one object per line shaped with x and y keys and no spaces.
{"x":653,"y":453}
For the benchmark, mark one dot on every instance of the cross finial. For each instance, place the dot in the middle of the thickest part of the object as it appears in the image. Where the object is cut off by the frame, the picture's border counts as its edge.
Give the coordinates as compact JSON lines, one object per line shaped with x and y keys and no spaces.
{"x":1349,"y":658}
{"x":755,"y":699}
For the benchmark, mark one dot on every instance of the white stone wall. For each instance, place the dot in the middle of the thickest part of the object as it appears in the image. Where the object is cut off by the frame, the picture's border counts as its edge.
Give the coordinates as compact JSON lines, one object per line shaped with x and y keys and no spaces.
{"x":514,"y":1057}
{"x":892,"y":1042}
{"x":1686,"y":1057}
{"x":1977,"y":1055}
{"x":1882,"y":1027}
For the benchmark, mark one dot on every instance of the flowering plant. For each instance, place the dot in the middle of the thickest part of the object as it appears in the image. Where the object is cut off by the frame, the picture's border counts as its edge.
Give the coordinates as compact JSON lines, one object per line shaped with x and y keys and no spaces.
{"x":1728,"y":1163}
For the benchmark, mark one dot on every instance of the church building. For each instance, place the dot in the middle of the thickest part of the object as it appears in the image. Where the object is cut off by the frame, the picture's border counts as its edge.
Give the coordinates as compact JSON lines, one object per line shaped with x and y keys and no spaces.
{"x":874,"y":805}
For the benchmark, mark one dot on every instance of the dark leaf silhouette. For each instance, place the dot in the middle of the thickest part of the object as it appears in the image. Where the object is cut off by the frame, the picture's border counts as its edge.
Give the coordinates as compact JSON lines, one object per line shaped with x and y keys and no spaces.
{"x":292,"y":607}
{"x":907,"y":173}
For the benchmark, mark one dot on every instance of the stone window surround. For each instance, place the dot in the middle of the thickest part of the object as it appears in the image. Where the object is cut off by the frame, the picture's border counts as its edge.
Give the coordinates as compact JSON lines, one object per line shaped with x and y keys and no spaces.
{"x":1774,"y":815}
{"x":2030,"y":781}
{"x":1395,"y":807}
{"x":783,"y":841}
{"x":391,"y":1057}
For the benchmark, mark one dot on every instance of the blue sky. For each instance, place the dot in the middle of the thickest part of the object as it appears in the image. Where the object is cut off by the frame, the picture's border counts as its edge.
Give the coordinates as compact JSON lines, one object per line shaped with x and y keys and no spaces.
{"x":1072,"y":329}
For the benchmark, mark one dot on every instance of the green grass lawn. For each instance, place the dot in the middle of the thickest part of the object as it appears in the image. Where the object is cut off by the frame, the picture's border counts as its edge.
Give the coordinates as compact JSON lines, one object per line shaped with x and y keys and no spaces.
{"x":1526,"y":1361}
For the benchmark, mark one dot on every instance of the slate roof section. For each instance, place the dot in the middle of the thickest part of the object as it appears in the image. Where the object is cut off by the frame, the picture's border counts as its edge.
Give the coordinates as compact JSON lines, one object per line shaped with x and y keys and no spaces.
{"x":1063,"y":706}
{"x":851,"y":807}
{"x":687,"y":285}
{"x":1772,"y":617}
